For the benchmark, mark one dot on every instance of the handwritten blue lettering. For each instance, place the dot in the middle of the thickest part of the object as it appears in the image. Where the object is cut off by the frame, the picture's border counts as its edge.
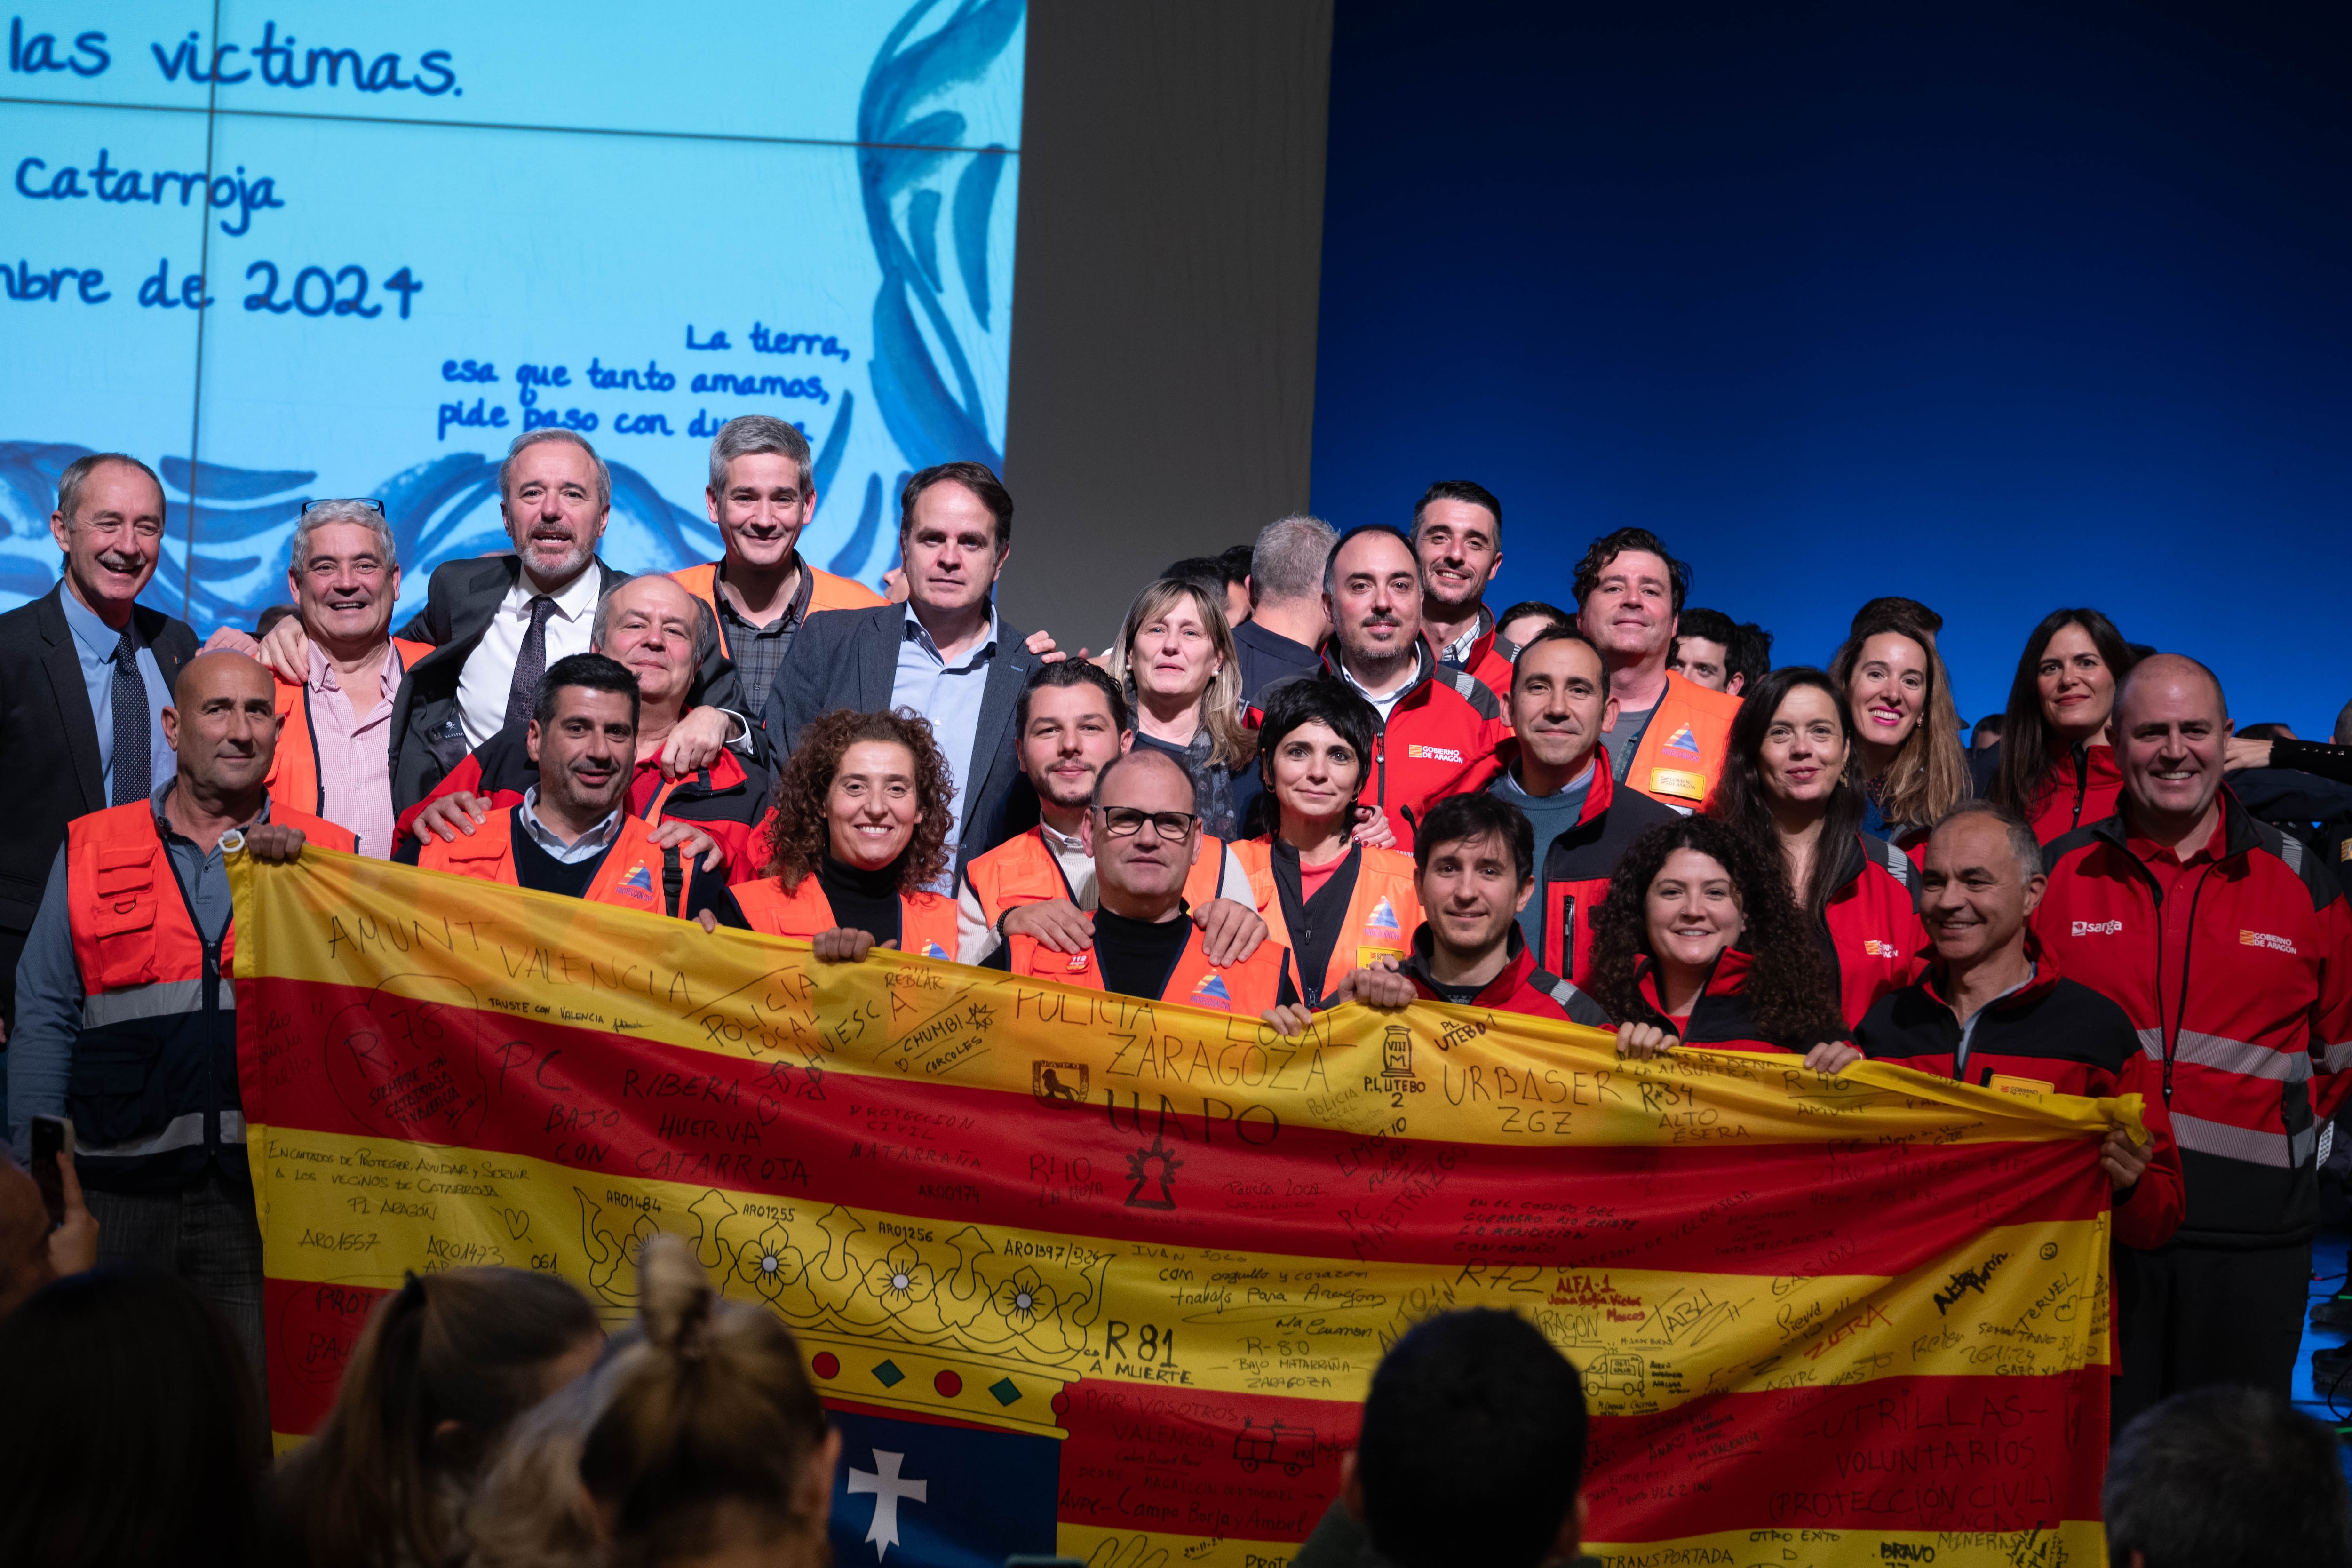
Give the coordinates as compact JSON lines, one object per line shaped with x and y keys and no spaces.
{"x":122,"y":186}
{"x":156,"y":293}
{"x":642,"y":425}
{"x":553,"y":419}
{"x":717,"y":339}
{"x":280,"y":64}
{"x":25,"y":281}
{"x":530,"y":378}
{"x":763,"y":385}
{"x":767,"y":343}
{"x":184,"y":60}
{"x":652,"y":378}
{"x":458,"y":414}
{"x":468,"y":370}
{"x":38,"y":53}
{"x":320,"y":292}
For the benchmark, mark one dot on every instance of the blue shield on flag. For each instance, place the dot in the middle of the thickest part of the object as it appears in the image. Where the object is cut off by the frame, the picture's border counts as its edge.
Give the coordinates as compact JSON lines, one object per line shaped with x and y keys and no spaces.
{"x":932,"y":1494}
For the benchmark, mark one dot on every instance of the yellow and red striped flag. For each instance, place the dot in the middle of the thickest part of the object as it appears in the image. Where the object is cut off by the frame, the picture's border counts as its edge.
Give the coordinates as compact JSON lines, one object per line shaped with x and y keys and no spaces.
{"x":1082,"y":1274}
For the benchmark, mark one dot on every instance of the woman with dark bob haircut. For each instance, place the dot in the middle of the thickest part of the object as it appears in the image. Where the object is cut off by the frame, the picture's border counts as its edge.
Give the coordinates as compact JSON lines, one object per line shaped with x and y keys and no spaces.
{"x":1699,"y":942}
{"x":1788,"y":786}
{"x":860,"y":835}
{"x":1337,"y":903}
{"x":2054,"y":764}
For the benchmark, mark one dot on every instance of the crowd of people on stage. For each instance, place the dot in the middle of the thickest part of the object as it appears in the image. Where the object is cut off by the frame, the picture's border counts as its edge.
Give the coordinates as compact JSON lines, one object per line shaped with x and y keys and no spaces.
{"x":1315,"y":770}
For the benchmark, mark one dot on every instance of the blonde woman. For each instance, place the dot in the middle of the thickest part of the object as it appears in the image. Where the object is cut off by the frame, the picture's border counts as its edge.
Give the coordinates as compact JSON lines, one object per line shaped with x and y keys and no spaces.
{"x":1175,"y":658}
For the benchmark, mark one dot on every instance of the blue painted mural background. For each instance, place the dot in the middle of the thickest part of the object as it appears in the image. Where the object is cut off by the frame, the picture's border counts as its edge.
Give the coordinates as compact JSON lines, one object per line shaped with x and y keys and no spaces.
{"x":635,"y":233}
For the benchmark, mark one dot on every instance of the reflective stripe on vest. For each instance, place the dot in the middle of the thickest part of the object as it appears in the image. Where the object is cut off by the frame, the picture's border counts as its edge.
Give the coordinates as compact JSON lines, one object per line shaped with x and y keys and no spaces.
{"x":1245,"y":989}
{"x":927,"y":921}
{"x":295,"y":777}
{"x":632,"y":874}
{"x":151,"y":1086}
{"x":1023,"y":871}
{"x":1383,"y":909}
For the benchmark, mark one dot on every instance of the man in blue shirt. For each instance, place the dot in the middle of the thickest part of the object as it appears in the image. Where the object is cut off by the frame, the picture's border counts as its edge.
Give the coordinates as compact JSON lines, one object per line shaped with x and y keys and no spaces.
{"x":85,"y":672}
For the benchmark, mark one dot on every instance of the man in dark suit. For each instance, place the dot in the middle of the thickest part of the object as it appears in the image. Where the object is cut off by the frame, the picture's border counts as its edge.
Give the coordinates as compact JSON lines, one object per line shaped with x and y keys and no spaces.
{"x":943,"y":653}
{"x":496,"y":623}
{"x":84,"y":673}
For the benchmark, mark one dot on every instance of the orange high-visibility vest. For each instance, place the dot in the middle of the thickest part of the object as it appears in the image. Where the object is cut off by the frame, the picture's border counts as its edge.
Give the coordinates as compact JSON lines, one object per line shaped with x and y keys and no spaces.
{"x":1382,"y":912}
{"x":126,"y":931}
{"x":1023,"y":871}
{"x":631,"y":877}
{"x":1245,"y":989}
{"x":294,"y":778}
{"x":153,"y":1087}
{"x":1681,"y":756}
{"x":827,"y":591}
{"x":927,"y":921}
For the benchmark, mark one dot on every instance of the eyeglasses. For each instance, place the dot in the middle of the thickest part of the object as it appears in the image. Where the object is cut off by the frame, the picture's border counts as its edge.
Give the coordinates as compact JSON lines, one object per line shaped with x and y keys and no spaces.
{"x":335,"y":501}
{"x":1126,"y":822}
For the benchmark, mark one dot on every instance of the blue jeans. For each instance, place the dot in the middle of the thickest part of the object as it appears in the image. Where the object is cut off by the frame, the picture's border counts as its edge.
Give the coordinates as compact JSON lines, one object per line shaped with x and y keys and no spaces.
{"x":207,"y":1234}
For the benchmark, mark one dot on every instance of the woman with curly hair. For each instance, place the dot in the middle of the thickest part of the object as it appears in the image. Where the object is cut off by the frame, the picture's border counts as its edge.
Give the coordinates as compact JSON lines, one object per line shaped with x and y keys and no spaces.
{"x":1699,"y":942}
{"x":2054,"y":764}
{"x":860,"y":834}
{"x":1182,"y":676}
{"x":1786,"y":787}
{"x":1906,"y":733}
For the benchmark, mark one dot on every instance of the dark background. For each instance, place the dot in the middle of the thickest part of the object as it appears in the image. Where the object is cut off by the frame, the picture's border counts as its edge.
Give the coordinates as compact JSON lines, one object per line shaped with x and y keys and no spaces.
{"x":2001,"y":307}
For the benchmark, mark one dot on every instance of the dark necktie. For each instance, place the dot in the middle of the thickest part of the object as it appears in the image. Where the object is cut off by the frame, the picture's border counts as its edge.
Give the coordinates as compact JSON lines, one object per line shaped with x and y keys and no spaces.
{"x":133,"y":742}
{"x":530,"y":664}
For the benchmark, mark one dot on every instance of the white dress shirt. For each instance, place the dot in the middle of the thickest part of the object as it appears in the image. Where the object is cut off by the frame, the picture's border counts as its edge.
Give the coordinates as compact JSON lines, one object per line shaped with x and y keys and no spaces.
{"x":488,"y":674}
{"x":562,"y":850}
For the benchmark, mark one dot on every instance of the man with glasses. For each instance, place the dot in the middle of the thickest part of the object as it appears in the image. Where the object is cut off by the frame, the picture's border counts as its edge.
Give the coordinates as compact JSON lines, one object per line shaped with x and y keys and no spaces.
{"x":1146,"y":837}
{"x":86,"y":671}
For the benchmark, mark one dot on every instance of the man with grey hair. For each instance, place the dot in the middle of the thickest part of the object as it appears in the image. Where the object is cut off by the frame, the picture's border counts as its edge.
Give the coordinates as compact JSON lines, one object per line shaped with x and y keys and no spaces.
{"x":1993,"y":1010}
{"x":496,"y":623}
{"x":1288,"y":624}
{"x":2224,"y":941}
{"x":86,"y":671}
{"x":334,"y":761}
{"x":761,"y":495}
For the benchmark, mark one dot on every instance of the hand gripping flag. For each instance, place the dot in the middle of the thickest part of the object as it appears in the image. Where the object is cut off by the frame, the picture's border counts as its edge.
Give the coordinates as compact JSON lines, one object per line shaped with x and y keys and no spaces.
{"x":1086,"y":1275}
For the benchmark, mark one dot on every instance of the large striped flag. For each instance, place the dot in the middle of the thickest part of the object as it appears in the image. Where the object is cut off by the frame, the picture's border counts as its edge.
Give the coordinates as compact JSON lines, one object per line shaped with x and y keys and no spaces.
{"x":1081,"y":1274}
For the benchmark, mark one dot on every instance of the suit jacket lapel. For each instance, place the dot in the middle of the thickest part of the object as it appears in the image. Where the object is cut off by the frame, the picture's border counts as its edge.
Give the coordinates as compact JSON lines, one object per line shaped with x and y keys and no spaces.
{"x":1008,"y":672}
{"x":74,"y":720}
{"x":470,"y":617}
{"x":878,"y":664}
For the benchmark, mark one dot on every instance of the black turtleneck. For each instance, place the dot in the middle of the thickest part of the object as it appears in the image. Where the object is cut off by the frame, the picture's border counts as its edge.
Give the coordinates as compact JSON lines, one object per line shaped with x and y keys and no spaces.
{"x":1138,"y":956}
{"x":862,"y":900}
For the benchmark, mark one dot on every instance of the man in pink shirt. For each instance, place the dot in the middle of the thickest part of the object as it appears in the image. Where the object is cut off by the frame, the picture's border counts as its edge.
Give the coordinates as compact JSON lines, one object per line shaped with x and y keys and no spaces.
{"x":334,"y":756}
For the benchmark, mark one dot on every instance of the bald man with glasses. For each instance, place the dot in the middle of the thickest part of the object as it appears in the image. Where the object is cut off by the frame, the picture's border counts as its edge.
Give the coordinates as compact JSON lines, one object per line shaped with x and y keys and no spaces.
{"x":1146,"y":837}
